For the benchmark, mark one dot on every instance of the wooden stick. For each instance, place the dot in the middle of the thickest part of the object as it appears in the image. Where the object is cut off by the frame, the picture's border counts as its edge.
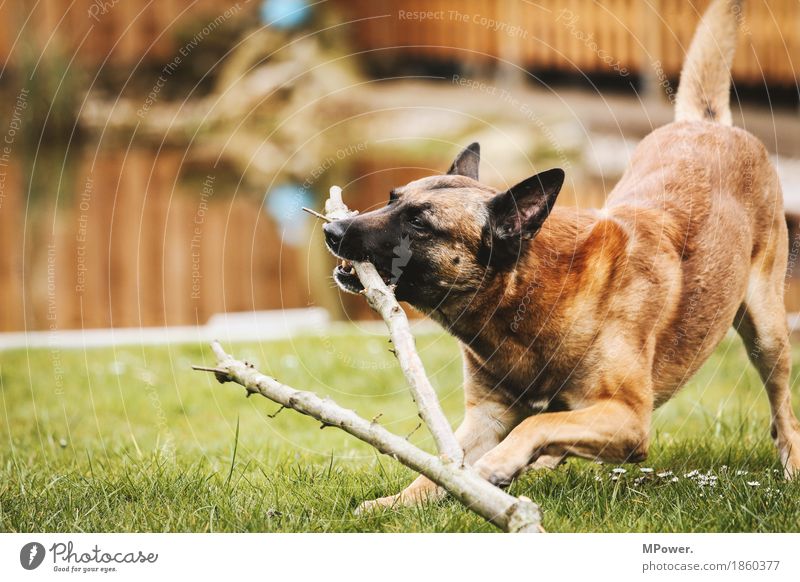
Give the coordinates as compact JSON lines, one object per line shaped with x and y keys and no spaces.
{"x":509,"y":513}
{"x":382,"y":300}
{"x":315,"y":213}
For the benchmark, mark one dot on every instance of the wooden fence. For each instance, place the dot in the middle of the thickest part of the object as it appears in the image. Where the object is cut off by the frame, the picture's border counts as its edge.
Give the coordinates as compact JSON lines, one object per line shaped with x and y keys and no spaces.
{"x":129,"y":244}
{"x":576,"y":36}
{"x":112,"y":32}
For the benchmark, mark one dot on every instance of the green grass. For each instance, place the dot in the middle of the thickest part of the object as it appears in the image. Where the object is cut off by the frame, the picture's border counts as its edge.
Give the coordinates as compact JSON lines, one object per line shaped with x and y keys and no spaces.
{"x":131,"y":439}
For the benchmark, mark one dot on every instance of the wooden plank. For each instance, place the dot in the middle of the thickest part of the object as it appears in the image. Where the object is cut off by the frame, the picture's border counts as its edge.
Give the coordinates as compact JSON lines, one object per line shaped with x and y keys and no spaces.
{"x":212,"y":261}
{"x":125,"y":250}
{"x":11,"y":263}
{"x":178,"y":260}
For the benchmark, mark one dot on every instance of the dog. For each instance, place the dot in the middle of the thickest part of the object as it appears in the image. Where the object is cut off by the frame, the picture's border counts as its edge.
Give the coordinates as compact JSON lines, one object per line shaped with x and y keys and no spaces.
{"x":575,"y":324}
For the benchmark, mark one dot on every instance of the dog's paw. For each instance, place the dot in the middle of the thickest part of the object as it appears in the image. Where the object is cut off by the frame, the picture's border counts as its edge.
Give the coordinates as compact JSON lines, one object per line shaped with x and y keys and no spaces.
{"x":790,"y":459}
{"x":494,"y":475}
{"x":544,"y":462}
{"x":377,"y":504}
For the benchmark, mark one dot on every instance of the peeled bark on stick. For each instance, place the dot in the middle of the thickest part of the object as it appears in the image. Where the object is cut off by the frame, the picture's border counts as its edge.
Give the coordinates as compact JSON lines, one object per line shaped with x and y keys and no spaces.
{"x":509,"y":513}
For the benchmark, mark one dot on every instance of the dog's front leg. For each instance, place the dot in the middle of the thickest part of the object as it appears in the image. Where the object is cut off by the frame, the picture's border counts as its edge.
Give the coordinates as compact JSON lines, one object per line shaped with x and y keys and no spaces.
{"x":485,"y":424}
{"x":610,"y":430}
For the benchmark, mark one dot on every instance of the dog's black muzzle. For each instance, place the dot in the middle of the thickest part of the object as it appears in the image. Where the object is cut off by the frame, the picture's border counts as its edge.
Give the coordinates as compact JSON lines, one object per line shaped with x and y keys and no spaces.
{"x":353,"y":240}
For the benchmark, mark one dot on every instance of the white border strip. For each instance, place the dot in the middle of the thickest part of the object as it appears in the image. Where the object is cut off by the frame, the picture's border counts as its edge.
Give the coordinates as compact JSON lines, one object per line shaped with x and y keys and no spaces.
{"x":384,"y":557}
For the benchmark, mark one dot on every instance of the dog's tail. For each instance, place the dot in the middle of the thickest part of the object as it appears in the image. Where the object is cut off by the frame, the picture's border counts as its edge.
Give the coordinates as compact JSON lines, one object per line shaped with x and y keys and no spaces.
{"x":704,"y":89}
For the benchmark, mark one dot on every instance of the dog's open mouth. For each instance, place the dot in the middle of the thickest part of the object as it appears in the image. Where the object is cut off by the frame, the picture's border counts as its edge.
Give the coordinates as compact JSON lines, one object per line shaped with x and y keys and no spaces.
{"x":345,"y":276}
{"x":345,"y":272}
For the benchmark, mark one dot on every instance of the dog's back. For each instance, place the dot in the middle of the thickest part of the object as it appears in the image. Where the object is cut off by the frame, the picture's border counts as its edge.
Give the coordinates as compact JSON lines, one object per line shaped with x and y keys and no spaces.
{"x":717,"y":205}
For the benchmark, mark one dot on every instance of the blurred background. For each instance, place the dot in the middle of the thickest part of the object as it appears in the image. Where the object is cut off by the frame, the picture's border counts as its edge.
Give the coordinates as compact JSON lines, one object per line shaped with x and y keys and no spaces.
{"x":154,"y":156}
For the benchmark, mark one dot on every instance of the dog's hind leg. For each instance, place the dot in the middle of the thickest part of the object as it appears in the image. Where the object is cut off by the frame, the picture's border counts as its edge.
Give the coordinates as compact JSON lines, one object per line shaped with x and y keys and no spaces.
{"x":761,"y":322}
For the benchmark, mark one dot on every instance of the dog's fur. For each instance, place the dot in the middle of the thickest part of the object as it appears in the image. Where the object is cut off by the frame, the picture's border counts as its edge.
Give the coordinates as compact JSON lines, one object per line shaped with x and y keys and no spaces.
{"x":575,"y":324}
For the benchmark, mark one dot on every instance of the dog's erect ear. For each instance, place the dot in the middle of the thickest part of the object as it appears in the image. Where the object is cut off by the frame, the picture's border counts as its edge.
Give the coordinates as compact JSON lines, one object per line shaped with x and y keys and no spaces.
{"x":467,"y":162}
{"x":518,"y":213}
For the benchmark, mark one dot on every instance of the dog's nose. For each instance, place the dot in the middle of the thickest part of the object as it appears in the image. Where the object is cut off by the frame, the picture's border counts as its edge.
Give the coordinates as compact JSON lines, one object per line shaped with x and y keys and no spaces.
{"x":334,"y":233}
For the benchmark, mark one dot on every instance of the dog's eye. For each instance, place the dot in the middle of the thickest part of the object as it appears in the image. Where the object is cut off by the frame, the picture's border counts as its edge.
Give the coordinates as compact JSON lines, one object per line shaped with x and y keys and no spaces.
{"x":417,"y":223}
{"x":393,"y":196}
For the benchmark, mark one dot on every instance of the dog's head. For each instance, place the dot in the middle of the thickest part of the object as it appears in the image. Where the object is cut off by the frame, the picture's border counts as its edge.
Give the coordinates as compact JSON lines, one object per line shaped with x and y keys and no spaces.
{"x":444,"y":235}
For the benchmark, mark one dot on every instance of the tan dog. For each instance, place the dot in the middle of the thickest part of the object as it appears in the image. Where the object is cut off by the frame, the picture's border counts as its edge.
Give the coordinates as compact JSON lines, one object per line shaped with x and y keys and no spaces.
{"x":575,"y":324}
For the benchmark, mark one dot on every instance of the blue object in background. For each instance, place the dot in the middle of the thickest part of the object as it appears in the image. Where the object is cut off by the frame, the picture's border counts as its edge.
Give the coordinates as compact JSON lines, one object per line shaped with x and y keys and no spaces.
{"x":285,"y":13}
{"x":284,"y":204}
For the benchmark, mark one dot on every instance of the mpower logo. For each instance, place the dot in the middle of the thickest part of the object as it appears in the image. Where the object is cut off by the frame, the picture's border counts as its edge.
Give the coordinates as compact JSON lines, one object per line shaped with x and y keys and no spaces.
{"x":31,"y":555}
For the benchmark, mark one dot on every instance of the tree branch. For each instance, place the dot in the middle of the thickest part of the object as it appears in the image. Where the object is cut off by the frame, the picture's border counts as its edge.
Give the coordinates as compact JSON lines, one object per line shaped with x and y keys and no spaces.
{"x":493,"y":504}
{"x":382,"y":300}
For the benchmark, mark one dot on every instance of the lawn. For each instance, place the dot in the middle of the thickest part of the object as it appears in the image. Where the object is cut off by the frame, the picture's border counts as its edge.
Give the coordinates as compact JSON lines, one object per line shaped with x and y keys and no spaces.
{"x":130,"y":439}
